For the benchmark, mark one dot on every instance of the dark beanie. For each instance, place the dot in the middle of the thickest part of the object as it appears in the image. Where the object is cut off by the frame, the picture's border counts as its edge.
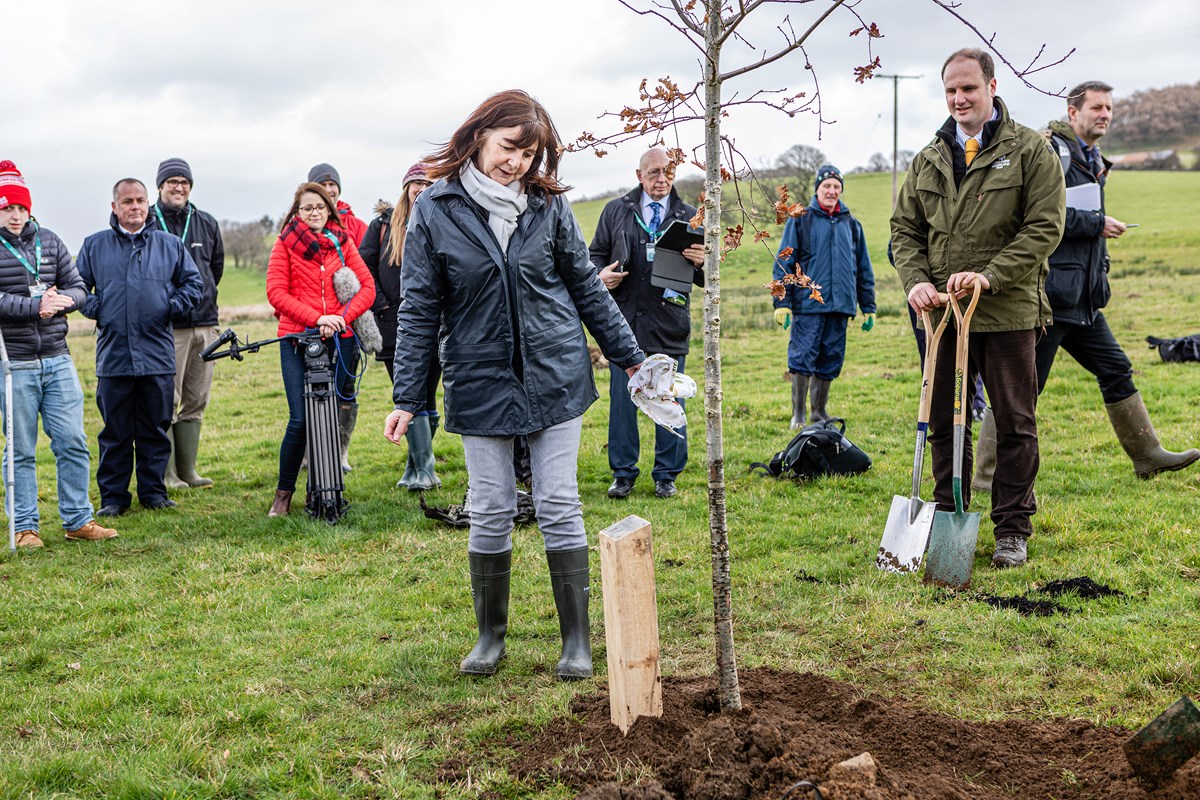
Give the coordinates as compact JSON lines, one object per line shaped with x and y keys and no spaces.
{"x":324,"y":172}
{"x":173,"y":168}
{"x":826,"y":172}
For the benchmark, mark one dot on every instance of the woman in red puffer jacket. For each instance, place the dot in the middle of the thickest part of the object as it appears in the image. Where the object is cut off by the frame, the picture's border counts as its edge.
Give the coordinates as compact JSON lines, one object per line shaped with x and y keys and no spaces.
{"x":311,"y":247}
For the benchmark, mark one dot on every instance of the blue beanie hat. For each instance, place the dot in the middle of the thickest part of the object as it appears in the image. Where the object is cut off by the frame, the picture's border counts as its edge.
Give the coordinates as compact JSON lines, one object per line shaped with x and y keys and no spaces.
{"x":826,"y":172}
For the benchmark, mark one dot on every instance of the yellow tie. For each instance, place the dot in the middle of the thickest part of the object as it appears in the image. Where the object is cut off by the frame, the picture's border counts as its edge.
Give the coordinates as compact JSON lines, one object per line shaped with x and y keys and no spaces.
{"x":971,"y":147}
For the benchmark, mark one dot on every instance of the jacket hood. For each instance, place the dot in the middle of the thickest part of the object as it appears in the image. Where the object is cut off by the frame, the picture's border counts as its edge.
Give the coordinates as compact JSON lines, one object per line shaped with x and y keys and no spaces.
{"x":816,"y":206}
{"x":383,"y":207}
{"x":173,"y":213}
{"x":116,"y":226}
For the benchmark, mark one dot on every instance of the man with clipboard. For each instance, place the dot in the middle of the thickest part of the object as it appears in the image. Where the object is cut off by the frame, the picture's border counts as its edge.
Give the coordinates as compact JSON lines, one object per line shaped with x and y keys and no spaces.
{"x":649,"y":260}
{"x":1078,"y":288}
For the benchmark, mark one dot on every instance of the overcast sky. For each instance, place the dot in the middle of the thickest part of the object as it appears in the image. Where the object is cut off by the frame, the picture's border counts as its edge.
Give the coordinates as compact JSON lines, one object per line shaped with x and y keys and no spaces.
{"x":252,"y":94}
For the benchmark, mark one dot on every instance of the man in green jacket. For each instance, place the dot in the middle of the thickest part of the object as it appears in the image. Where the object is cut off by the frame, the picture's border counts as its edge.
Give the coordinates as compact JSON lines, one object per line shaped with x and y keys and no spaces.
{"x":984,"y":201}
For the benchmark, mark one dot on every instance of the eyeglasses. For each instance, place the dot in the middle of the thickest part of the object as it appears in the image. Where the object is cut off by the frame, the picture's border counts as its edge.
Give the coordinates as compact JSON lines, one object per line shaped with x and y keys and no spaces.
{"x":309,"y":210}
{"x":178,"y":183}
{"x":655,"y":174}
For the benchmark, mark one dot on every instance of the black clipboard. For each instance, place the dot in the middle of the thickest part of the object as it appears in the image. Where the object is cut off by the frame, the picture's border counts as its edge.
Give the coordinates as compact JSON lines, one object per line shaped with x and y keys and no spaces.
{"x":670,"y":269}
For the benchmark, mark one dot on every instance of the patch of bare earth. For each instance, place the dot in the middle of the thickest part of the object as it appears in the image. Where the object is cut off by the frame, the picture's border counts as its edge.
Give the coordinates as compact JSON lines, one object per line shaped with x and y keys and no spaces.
{"x":800,"y":727}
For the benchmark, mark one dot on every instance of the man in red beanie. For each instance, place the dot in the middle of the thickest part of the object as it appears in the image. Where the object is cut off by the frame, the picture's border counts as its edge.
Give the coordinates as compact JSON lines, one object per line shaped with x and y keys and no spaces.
{"x":38,"y":287}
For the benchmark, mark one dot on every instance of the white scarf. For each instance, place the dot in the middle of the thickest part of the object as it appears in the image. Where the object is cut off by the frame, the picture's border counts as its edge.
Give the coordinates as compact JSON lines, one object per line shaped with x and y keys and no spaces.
{"x":503,"y":203}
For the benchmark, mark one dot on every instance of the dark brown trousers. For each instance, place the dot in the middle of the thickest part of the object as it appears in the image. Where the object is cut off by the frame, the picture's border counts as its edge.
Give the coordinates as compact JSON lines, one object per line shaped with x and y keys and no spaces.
{"x":1009,"y":370}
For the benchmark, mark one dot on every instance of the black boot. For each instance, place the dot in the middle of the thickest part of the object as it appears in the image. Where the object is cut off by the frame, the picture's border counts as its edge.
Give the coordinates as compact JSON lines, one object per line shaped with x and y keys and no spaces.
{"x":569,"y":579}
{"x":818,"y":396}
{"x":489,"y":587}
{"x":799,"y":398}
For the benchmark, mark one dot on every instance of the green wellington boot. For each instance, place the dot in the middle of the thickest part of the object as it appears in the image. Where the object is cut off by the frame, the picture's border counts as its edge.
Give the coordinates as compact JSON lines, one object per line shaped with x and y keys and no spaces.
{"x":187,"y":447}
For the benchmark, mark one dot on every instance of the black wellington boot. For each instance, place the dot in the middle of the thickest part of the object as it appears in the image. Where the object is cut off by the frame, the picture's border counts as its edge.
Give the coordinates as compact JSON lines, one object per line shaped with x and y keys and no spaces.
{"x":569,"y":579}
{"x":490,"y":575}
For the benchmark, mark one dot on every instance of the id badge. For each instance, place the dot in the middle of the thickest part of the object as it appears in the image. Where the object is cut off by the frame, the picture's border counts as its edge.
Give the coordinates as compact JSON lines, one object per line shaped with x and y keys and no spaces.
{"x":37,"y":289}
{"x":650,"y":251}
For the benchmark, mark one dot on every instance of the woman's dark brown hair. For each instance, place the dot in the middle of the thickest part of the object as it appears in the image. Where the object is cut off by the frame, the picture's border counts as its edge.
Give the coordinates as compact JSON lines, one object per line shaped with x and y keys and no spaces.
{"x":510,"y":109}
{"x":334,"y":217}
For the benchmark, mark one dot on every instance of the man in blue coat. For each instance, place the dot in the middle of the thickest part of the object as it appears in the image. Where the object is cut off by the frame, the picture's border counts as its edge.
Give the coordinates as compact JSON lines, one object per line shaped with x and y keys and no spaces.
{"x":137,"y":279}
{"x":827,"y":243}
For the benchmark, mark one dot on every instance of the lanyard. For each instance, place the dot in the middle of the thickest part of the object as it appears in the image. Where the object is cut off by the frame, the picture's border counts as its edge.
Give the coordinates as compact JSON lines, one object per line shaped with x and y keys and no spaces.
{"x":37,"y":253}
{"x":186,"y":223}
{"x":653,"y":234}
{"x":336,"y":246}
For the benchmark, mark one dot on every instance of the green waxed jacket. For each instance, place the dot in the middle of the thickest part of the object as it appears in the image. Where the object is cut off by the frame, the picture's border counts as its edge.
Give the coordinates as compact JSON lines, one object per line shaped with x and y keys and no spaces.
{"x":1003,"y":220}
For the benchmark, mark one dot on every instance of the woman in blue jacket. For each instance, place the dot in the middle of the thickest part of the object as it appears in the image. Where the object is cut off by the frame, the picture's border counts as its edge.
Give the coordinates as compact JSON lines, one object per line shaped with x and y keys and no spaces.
{"x":496,"y":272}
{"x":827,"y":243}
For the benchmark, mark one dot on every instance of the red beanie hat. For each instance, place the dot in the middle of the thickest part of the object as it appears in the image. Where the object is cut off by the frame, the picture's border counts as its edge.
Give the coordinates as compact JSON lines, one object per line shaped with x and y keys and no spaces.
{"x":13,"y":191}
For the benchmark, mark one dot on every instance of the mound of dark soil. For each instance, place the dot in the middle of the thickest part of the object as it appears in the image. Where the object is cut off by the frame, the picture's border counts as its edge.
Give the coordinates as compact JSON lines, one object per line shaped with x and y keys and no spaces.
{"x":799,"y":727}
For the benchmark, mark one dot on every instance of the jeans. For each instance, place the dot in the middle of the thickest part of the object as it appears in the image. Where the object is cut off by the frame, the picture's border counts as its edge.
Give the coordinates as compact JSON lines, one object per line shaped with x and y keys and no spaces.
{"x":49,"y":387}
{"x":817,"y":346}
{"x":492,"y":486}
{"x":1096,"y":350}
{"x":624,"y":445}
{"x":291,"y":366}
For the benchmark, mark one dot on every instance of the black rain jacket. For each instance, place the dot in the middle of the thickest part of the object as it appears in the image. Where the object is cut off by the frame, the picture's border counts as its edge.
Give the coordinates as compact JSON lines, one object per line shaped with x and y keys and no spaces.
{"x":508,"y":324}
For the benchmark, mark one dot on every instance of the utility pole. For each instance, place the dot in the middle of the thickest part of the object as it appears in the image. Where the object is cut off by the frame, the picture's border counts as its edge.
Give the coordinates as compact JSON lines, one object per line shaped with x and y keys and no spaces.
{"x":896,"y":126}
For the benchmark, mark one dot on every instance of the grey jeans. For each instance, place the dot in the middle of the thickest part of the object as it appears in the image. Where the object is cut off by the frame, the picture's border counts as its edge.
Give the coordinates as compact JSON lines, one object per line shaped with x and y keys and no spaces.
{"x":554,"y":456}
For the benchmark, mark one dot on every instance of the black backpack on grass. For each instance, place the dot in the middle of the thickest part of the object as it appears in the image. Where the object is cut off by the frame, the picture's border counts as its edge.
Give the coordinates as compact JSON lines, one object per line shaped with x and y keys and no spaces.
{"x":1185,"y":348}
{"x":818,"y":449}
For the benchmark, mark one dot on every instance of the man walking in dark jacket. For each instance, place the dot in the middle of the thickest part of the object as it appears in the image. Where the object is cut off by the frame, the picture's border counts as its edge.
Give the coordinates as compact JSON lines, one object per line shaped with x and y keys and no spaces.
{"x":623,"y":251}
{"x":137,"y":279}
{"x":196,"y":329}
{"x":1078,"y":284}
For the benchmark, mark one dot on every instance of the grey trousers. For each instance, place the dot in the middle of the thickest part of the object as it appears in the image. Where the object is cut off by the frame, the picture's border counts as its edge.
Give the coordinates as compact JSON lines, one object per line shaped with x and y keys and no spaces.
{"x":554,"y":456}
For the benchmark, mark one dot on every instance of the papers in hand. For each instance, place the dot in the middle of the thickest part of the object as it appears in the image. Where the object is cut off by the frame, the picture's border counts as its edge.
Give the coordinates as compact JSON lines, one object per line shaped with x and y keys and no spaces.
{"x":1084,"y":197}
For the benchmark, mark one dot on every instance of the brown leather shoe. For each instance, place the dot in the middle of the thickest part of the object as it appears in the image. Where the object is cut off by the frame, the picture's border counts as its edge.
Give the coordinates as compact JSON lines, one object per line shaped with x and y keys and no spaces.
{"x":29,"y":539}
{"x":92,"y":532}
{"x":282,"y":504}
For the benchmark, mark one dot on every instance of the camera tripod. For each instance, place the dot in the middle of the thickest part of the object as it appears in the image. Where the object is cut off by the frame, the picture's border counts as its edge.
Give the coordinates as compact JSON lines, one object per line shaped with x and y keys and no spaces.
{"x":325,"y":486}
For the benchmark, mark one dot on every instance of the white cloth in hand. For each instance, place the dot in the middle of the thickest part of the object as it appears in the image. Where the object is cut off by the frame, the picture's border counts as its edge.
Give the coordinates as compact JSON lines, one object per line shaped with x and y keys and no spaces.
{"x":654,"y":389}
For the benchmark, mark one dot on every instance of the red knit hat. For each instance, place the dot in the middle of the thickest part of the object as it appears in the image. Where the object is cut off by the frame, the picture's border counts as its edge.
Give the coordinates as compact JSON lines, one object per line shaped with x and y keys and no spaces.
{"x":13,"y":191}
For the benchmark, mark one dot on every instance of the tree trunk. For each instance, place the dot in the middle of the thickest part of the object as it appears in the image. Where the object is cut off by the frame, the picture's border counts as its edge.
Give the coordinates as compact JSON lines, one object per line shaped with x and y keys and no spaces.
{"x":730,"y":694}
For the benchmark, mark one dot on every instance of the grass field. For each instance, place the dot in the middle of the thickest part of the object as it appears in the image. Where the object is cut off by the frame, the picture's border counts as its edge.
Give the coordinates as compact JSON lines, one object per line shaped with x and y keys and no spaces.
{"x":212,"y":653}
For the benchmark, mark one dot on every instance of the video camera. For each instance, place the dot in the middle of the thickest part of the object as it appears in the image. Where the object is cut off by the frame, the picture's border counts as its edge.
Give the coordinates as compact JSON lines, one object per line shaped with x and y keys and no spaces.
{"x":325,"y":485}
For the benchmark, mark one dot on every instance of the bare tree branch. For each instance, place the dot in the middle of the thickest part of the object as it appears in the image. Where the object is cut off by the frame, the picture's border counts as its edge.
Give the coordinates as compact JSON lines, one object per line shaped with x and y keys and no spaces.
{"x":788,"y":49}
{"x":951,"y":8}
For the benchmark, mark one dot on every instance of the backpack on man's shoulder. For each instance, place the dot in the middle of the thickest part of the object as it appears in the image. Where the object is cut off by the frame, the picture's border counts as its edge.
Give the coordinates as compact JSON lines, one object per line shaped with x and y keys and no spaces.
{"x":817,"y":450}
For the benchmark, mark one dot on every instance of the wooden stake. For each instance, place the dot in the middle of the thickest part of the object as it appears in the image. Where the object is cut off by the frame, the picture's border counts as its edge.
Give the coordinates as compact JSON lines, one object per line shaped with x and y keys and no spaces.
{"x":630,"y":621}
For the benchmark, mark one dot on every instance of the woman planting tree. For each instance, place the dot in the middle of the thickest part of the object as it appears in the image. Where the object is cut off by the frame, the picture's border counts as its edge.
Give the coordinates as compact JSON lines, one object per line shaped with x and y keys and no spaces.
{"x":496,"y":267}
